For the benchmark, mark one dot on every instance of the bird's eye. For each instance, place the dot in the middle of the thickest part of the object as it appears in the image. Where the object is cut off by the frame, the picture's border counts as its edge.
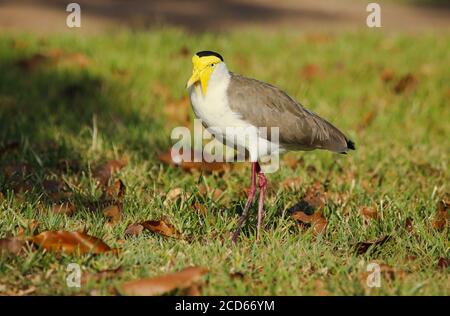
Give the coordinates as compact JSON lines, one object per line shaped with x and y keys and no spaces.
{"x":212,"y":65}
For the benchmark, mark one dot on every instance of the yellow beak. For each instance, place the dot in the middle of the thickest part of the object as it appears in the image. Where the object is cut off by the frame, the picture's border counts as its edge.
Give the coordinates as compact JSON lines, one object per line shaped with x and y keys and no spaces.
{"x":202,"y":76}
{"x":194,"y":78}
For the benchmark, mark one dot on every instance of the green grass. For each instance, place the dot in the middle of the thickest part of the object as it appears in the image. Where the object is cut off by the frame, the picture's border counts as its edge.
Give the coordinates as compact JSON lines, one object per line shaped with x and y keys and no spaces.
{"x":400,"y":166}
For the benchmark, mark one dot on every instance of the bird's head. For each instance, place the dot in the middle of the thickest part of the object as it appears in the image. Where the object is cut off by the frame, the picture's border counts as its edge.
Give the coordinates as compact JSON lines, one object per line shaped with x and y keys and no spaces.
{"x":203,"y":63}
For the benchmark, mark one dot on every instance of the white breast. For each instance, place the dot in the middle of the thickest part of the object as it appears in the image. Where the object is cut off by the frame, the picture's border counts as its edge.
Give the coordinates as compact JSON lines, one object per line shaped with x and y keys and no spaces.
{"x":227,"y":126}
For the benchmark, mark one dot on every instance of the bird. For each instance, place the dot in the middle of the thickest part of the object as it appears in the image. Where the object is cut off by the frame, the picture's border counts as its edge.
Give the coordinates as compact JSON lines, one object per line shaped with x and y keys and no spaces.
{"x":227,"y":103}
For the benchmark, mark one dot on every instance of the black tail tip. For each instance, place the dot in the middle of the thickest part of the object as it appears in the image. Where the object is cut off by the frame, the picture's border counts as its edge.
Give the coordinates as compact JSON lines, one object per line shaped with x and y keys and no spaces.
{"x":350,"y":144}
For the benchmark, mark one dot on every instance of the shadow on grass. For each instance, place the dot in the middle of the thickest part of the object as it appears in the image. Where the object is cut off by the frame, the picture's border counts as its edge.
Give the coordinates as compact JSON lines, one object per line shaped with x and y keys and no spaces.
{"x":47,"y":117}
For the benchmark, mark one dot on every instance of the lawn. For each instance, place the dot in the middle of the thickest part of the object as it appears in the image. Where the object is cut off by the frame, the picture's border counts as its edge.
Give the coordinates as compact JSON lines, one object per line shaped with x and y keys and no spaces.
{"x":69,"y":104}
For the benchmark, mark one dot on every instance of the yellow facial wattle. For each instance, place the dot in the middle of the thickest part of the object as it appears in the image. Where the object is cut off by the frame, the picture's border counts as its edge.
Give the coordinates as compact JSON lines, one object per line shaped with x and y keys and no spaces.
{"x":202,"y":70}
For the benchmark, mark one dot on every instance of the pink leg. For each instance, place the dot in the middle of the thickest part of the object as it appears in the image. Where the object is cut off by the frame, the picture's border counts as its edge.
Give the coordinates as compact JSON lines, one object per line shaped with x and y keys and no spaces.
{"x":251,"y":197}
{"x":262,"y":191}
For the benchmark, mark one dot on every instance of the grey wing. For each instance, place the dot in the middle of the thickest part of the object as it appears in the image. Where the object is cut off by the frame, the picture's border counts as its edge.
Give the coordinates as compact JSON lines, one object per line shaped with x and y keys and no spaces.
{"x":264,"y":105}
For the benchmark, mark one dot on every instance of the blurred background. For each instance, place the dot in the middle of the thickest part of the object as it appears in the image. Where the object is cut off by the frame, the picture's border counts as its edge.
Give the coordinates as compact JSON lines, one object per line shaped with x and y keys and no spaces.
{"x":206,"y":15}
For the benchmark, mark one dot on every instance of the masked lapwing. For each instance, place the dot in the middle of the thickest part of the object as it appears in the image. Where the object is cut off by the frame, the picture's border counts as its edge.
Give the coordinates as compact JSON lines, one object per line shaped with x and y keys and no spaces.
{"x":227,"y":103}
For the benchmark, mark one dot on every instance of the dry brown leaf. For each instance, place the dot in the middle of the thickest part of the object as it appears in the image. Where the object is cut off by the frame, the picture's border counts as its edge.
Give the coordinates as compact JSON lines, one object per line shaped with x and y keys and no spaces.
{"x":406,"y":83}
{"x":66,"y":208}
{"x":369,"y":212}
{"x":184,"y":52}
{"x":409,"y":226}
{"x":12,"y":245}
{"x":293,"y":183}
{"x":443,"y":263}
{"x":309,"y":210}
{"x":191,"y":165}
{"x":115,"y":191}
{"x":367,"y":120}
{"x":71,"y":242}
{"x":215,"y":193}
{"x":387,"y":75}
{"x":291,"y":161}
{"x":163,"y":284}
{"x":104,"y":172}
{"x":316,"y":221}
{"x":310,"y":71}
{"x":440,"y":221}
{"x":174,"y":193}
{"x":363,"y":247}
{"x":391,"y":273}
{"x":78,"y":60}
{"x":388,"y":272}
{"x":134,"y":230}
{"x":113,"y":213}
{"x":161,"y":227}
{"x":200,"y":208}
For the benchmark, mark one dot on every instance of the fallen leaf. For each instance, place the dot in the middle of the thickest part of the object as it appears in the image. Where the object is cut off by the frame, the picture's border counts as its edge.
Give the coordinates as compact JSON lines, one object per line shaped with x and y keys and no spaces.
{"x":308,"y":211}
{"x":66,"y":208}
{"x":293,"y":183}
{"x":440,"y":221}
{"x":317,"y":221}
{"x":409,"y":226}
{"x":70,"y":242}
{"x":104,"y":172}
{"x":161,"y":227}
{"x":116,"y":191}
{"x":310,"y":71}
{"x":387,"y":75}
{"x":369,"y":212}
{"x":237,"y":275}
{"x":12,"y":245}
{"x":363,"y":247}
{"x":443,"y":263}
{"x":184,"y":52}
{"x":134,"y":230}
{"x":406,"y":83}
{"x":191,"y":165}
{"x":367,"y":120}
{"x":113,"y":213}
{"x":292,"y":162}
{"x":200,"y":208}
{"x":391,"y":273}
{"x":163,"y":284}
{"x":174,"y":193}
{"x":215,"y":193}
